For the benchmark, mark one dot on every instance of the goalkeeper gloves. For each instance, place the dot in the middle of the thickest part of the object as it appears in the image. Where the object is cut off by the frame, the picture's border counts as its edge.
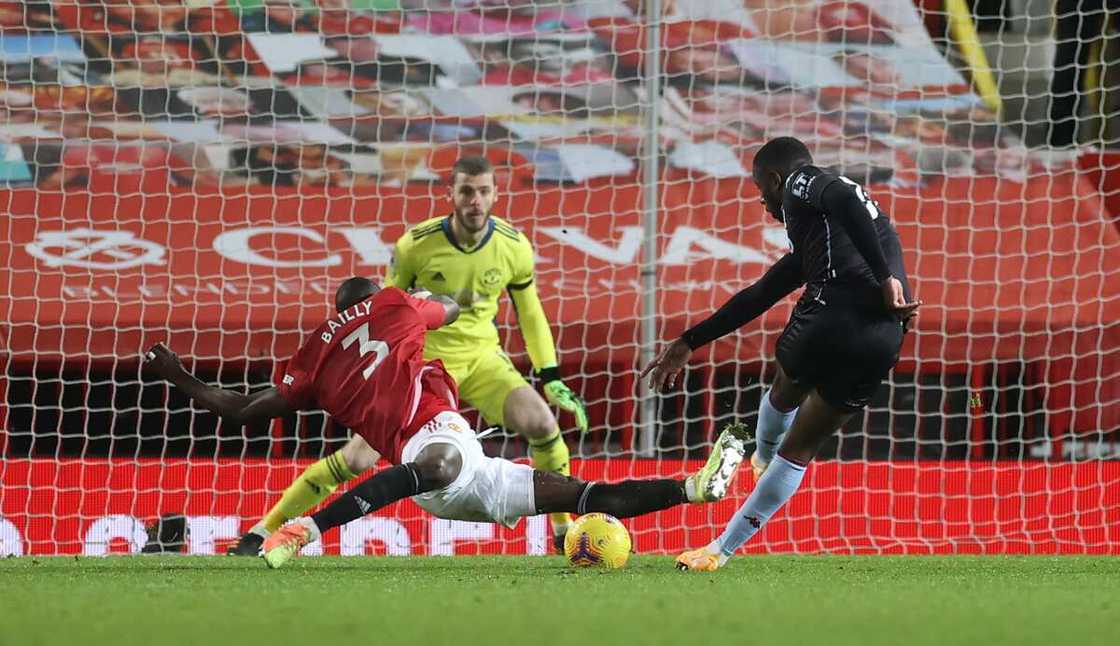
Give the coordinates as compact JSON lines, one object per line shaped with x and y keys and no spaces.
{"x":558,"y":394}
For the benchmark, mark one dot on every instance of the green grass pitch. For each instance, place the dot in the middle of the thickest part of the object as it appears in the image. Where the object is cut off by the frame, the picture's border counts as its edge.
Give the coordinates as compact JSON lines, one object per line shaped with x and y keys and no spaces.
{"x":508,"y":601}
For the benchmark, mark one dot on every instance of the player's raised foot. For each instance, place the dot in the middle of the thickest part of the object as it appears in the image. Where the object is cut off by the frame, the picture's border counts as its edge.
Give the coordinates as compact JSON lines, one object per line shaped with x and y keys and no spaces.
{"x":758,"y":466}
{"x":248,"y":545}
{"x":700,"y":560}
{"x":285,"y":543}
{"x":711,"y":482}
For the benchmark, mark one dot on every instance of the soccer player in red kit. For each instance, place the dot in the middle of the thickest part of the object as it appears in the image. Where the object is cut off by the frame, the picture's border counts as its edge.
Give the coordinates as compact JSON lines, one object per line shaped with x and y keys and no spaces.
{"x":365,"y":367}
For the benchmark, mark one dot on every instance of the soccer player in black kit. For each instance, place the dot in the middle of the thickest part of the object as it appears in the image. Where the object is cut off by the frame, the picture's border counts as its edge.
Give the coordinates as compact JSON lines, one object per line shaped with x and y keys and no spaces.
{"x":842,"y":339}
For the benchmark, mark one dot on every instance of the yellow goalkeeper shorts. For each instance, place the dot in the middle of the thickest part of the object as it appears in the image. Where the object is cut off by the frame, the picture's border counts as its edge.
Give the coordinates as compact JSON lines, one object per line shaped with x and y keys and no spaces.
{"x":485,"y":380}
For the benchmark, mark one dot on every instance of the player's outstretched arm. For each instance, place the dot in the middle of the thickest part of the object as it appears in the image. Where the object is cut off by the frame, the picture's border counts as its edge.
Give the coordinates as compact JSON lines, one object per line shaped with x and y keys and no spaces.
{"x":542,"y":352}
{"x":230,"y":405}
{"x":539,"y":342}
{"x":778,"y":281}
{"x":433,"y":319}
{"x":450,"y":307}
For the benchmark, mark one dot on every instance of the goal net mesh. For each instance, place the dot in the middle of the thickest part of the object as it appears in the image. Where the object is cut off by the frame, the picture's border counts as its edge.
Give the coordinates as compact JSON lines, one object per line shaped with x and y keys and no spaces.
{"x":205,"y":172}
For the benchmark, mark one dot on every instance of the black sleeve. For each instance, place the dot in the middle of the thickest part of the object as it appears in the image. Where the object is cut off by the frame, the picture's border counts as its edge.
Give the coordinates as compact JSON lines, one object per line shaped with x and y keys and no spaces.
{"x":892,"y":249}
{"x":848,"y":205}
{"x":775,"y":284}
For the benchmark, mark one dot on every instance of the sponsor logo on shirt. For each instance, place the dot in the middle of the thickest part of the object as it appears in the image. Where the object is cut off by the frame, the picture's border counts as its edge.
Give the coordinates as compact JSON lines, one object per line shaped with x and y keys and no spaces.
{"x":289,"y":380}
{"x":801,"y":185}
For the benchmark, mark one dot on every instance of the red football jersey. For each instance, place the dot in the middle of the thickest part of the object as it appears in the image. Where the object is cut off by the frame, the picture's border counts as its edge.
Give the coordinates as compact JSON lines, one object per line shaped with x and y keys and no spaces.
{"x":365,"y":366}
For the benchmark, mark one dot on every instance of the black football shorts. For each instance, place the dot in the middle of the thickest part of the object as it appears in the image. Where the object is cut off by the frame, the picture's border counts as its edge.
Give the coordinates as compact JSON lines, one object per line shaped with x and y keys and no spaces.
{"x":843,"y":351}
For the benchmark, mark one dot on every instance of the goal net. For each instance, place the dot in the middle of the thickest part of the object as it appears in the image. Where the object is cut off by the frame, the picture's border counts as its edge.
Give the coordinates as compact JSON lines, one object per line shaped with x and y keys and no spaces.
{"x":205,"y":172}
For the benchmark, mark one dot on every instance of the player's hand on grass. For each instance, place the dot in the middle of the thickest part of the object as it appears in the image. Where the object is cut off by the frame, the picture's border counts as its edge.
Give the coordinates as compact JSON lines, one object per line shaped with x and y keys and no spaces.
{"x":165,"y":362}
{"x":894,"y":297}
{"x":559,"y":395}
{"x":666,"y":368}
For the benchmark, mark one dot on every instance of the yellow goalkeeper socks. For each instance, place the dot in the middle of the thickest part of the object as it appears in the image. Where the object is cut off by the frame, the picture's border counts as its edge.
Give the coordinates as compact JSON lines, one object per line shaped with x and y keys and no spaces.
{"x":311,"y":487}
{"x":551,"y":454}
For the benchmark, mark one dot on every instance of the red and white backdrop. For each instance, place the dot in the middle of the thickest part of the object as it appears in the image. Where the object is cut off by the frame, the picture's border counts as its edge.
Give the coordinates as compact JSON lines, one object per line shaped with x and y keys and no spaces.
{"x":98,"y":507}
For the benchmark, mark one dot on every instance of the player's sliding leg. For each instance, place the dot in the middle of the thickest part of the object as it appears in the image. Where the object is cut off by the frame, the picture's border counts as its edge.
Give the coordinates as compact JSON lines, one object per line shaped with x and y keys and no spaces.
{"x":776,"y":411}
{"x":636,"y":497}
{"x":435,"y":467}
{"x":816,"y":421}
{"x":312,"y":487}
{"x":527,"y":414}
{"x":448,"y":475}
{"x":554,"y":493}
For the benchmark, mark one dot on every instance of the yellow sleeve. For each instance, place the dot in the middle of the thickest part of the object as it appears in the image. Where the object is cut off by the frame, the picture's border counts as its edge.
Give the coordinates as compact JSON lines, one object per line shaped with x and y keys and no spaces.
{"x":401,"y":273}
{"x":530,"y":313}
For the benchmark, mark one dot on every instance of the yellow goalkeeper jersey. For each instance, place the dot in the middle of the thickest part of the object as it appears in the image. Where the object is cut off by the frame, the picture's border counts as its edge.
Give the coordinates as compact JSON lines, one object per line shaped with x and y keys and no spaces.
{"x":427,"y":256}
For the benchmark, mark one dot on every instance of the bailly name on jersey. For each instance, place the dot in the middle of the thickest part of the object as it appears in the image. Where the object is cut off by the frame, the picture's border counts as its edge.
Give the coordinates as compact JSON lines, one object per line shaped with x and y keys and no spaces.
{"x":344,"y":317}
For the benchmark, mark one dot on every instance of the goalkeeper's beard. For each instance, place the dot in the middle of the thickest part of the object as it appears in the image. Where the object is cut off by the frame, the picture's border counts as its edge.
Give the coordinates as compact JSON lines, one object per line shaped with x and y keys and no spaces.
{"x":473,"y":220}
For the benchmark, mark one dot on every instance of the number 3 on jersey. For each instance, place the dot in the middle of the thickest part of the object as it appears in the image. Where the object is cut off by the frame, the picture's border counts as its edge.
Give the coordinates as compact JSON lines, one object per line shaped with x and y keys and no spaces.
{"x":379,"y":348}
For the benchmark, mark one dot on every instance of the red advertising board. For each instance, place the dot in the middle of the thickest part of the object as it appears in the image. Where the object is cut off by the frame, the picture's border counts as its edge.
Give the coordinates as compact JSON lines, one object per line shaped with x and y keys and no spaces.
{"x":1102,"y":168}
{"x":100,"y":506}
{"x":1025,"y":273}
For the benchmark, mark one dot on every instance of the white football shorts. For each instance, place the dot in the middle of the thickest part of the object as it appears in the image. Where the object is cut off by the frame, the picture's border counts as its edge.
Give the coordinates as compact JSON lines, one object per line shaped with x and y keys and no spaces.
{"x":487,"y":489}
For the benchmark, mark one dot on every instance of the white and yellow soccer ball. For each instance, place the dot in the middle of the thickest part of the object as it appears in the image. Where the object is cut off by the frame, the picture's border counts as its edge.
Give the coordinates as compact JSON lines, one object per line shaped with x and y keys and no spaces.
{"x":597,"y":540}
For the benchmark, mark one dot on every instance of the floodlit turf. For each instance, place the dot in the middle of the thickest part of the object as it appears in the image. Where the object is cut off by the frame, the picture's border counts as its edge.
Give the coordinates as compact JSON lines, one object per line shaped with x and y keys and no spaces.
{"x":509,"y":601}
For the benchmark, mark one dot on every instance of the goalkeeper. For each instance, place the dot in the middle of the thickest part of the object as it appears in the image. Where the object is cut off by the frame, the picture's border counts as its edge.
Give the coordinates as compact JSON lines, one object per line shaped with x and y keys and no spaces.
{"x":473,"y":257}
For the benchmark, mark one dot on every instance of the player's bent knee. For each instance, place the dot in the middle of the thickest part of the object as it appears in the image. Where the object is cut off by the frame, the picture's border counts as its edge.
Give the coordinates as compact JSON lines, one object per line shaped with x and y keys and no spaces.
{"x":540,"y":428}
{"x":816,"y":422}
{"x":527,"y":414}
{"x":439,"y":465}
{"x":359,"y":455}
{"x":537,"y":423}
{"x":786,"y":394}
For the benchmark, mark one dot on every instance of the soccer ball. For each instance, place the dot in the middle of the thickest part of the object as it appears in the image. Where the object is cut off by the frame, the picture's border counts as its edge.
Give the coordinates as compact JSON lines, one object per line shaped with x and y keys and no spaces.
{"x":597,"y":540}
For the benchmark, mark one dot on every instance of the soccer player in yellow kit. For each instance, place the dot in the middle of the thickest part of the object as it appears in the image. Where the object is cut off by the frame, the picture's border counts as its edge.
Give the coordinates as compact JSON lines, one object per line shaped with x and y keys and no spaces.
{"x":472,"y":257}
